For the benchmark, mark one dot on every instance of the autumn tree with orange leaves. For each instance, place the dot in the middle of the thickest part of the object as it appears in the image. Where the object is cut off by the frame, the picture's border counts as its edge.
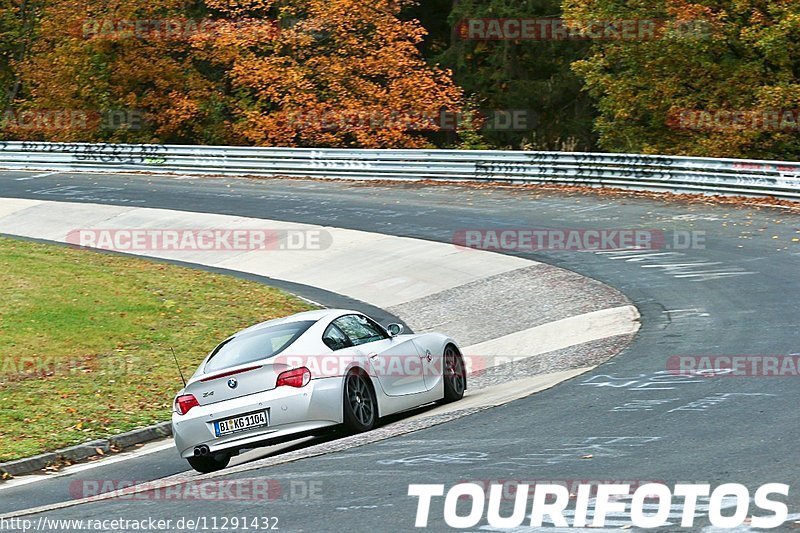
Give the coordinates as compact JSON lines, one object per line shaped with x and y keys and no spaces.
{"x":339,"y":73}
{"x":258,"y":72}
{"x":89,"y":63}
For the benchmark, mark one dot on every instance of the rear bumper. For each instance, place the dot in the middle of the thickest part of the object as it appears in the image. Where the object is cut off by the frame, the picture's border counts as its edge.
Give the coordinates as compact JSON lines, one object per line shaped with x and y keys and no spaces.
{"x":289,"y":410}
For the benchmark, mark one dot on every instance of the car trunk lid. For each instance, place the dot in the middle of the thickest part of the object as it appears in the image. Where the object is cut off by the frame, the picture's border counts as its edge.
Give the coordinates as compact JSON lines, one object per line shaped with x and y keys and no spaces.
{"x":235,"y":382}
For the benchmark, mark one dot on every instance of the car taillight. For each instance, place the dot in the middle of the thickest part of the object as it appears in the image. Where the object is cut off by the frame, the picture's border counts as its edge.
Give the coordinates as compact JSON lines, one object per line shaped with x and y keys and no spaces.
{"x":299,"y":377}
{"x":184,"y":403}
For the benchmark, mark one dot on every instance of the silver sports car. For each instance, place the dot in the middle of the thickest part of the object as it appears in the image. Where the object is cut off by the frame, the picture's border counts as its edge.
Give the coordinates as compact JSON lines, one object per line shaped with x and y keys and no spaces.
{"x":297,"y":375}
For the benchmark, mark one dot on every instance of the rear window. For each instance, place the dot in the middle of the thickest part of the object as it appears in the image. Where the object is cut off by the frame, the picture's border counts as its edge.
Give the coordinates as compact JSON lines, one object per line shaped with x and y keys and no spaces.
{"x":255,"y":345}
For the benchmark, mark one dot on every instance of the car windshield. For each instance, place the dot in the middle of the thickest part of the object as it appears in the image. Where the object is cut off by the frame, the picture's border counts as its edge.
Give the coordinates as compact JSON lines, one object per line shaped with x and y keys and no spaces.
{"x":255,"y":345}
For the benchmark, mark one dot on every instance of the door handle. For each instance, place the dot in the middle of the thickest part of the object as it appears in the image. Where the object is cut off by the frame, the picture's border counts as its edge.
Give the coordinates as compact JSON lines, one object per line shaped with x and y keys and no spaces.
{"x":373,"y":355}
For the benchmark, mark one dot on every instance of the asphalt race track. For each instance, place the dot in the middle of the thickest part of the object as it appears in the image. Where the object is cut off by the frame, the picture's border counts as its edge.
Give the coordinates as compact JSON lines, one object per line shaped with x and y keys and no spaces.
{"x":627,"y":421}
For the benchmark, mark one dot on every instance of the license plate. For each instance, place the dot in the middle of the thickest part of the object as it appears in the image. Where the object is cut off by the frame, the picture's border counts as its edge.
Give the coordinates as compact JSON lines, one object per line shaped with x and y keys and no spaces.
{"x":241,"y":423}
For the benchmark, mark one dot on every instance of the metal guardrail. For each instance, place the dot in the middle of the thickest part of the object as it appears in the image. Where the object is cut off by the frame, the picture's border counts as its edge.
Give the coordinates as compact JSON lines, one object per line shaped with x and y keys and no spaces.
{"x":643,"y":172}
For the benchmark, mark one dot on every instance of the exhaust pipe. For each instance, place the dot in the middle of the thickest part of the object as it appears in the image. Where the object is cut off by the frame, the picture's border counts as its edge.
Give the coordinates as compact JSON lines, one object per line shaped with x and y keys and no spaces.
{"x":201,"y":451}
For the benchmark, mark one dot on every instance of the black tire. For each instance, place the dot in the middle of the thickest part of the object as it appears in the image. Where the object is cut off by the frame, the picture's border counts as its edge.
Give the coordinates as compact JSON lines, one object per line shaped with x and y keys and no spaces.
{"x":454,"y":375}
{"x":208,"y":463}
{"x":360,"y":404}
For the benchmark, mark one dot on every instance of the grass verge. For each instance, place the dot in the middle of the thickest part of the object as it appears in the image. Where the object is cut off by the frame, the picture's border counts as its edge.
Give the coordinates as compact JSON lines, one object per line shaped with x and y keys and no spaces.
{"x":85,"y":337}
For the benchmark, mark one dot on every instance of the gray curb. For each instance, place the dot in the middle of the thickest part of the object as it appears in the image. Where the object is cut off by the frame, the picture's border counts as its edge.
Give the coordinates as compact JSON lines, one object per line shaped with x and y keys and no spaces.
{"x":81,"y":452}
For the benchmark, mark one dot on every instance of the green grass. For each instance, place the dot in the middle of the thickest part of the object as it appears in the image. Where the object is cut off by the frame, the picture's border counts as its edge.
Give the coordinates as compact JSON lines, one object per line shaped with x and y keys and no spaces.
{"x":85,"y":337}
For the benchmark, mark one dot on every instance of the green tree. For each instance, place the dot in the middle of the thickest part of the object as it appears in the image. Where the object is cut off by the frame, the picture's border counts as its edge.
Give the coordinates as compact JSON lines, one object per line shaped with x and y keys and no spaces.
{"x":529,"y":75}
{"x":681,"y":92}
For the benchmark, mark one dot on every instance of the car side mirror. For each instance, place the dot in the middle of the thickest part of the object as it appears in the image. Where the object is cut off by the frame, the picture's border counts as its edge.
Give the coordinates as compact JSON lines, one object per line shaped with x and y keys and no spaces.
{"x":394,"y":329}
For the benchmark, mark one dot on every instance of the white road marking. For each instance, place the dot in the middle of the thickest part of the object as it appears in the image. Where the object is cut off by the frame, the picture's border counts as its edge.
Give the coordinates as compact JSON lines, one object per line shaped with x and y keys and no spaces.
{"x":632,"y":249}
{"x":692,"y":217}
{"x":712,"y":274}
{"x":359,"y":507}
{"x":674,"y":264}
{"x":687,"y":313}
{"x":635,"y":258}
{"x":552,"y":529}
{"x":37,"y":176}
